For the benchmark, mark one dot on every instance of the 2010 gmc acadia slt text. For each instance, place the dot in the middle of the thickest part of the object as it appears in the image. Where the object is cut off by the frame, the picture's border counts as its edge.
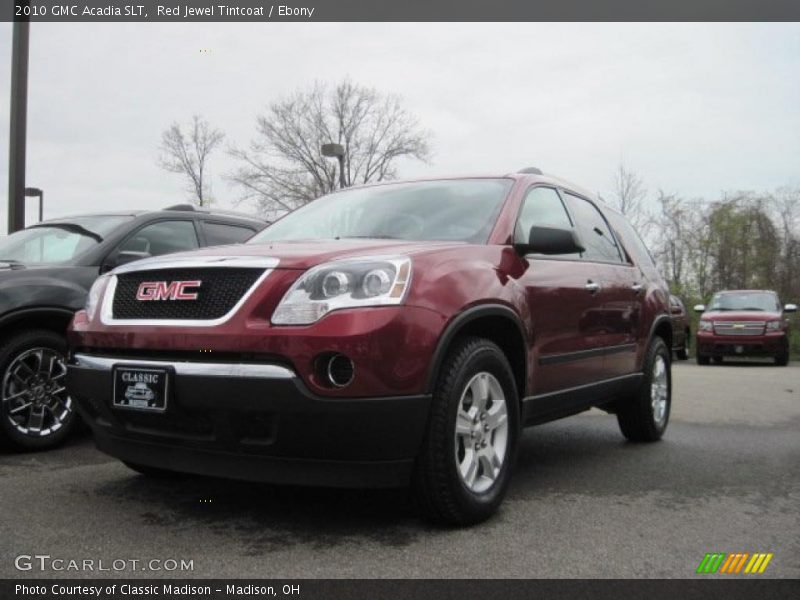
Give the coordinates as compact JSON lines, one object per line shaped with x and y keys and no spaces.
{"x":388,"y":335}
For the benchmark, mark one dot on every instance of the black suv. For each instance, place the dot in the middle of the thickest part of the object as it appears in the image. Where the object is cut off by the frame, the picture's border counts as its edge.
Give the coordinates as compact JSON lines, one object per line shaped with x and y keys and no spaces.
{"x":45,"y":274}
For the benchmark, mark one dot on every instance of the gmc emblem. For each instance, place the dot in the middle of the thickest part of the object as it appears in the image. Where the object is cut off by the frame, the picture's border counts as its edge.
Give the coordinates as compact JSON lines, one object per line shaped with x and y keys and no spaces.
{"x":161,"y":290}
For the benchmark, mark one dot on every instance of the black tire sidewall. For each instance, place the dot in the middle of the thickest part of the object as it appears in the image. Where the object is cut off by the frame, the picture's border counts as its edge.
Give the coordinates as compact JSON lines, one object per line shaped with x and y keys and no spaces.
{"x":17,"y":344}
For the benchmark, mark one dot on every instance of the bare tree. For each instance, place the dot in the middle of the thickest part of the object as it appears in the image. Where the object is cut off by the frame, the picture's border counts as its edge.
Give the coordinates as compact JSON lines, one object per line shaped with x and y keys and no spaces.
{"x":283,"y":167}
{"x":187,"y":153}
{"x":629,"y":196}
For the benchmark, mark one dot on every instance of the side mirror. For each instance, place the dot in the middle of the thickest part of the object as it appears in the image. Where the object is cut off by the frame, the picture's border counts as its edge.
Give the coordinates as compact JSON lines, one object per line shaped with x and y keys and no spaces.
{"x":790,"y":308}
{"x":122,"y":258}
{"x":551,"y":241}
{"x":699,"y":308}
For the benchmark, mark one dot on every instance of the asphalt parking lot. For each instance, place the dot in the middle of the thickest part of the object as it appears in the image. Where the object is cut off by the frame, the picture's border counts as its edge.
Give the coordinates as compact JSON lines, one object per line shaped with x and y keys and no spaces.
{"x":583,"y":503}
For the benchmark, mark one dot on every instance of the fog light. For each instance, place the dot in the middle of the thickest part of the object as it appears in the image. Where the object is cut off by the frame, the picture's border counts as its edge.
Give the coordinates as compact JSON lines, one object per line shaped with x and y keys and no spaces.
{"x":340,"y":370}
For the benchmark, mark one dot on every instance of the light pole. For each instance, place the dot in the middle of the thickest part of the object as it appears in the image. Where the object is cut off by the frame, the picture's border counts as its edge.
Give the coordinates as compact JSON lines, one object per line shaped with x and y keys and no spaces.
{"x":336,"y":150}
{"x":16,"y":138}
{"x":31,"y":192}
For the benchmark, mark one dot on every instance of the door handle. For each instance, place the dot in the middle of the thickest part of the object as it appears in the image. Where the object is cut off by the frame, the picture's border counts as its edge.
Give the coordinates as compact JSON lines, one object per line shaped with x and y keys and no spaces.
{"x":637,"y":288}
{"x":592,"y":287}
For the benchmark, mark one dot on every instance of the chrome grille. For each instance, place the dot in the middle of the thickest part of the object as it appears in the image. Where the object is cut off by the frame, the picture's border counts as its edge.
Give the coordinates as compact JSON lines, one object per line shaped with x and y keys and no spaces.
{"x":739,"y":327}
{"x":221,"y":288}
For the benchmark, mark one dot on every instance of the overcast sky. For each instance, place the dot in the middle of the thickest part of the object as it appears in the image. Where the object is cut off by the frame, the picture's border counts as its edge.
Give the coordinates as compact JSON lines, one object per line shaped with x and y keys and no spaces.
{"x":693,"y":109}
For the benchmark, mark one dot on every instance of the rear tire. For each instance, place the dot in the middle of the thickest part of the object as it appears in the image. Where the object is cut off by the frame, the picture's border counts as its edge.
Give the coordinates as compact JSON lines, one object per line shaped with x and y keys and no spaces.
{"x":464,"y":467}
{"x":36,"y":413}
{"x":644,"y":416}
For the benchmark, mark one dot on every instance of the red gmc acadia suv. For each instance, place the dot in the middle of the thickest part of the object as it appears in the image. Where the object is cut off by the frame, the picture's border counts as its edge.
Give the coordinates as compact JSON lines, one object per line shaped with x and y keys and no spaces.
{"x":387,"y":335}
{"x":743,"y":323}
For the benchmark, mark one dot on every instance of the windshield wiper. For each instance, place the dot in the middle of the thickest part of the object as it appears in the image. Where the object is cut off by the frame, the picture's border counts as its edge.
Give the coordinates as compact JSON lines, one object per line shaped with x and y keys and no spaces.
{"x":71,"y":227}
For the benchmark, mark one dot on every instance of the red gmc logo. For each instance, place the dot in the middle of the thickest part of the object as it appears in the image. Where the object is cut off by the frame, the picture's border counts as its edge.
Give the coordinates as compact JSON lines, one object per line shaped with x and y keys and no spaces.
{"x":161,"y":290}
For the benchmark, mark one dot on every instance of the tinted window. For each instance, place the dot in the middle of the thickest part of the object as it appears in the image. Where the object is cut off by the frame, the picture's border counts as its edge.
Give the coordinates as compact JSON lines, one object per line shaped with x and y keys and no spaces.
{"x":633,"y":242}
{"x":594,"y":231}
{"x":457,"y":209}
{"x":218,"y":234}
{"x":542,"y":207}
{"x":162,"y":237}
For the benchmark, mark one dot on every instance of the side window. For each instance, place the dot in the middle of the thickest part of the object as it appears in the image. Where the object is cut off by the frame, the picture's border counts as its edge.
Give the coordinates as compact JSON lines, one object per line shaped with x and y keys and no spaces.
{"x":218,"y":234}
{"x":594,"y":231}
{"x":162,"y":237}
{"x":633,"y":244}
{"x":542,"y":206}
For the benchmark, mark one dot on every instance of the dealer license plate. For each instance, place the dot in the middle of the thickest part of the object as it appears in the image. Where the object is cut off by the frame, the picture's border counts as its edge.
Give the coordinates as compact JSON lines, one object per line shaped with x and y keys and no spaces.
{"x":141,"y":388}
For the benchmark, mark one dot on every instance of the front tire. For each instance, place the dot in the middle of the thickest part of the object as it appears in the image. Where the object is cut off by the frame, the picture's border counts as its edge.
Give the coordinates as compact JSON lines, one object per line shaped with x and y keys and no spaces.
{"x":782,"y":359}
{"x":36,"y":413}
{"x":644,"y":416}
{"x":464,"y":467}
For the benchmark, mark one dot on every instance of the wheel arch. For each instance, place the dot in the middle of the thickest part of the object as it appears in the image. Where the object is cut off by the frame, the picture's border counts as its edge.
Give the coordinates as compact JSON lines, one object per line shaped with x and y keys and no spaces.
{"x":495,"y":322}
{"x":661,"y":327}
{"x":54,"y":318}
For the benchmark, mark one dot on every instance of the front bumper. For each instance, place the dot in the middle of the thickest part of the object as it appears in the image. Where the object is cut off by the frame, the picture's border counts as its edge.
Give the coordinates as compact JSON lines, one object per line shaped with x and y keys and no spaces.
{"x":768,"y":344}
{"x":256,"y":422}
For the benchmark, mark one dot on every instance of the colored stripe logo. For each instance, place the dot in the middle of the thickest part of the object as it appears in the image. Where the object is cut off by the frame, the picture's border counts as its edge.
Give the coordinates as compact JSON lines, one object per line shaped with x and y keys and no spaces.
{"x":734,"y":563}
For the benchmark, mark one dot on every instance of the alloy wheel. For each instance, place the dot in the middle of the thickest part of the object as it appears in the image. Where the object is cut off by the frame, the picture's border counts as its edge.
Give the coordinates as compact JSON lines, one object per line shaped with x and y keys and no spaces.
{"x":34,"y":394}
{"x":659,"y":390}
{"x":481,"y":437}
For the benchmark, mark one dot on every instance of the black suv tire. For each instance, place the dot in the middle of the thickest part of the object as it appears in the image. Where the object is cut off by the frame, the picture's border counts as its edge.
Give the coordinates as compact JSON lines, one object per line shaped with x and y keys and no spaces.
{"x":438,"y":485}
{"x":11,"y":356}
{"x":636,"y":415}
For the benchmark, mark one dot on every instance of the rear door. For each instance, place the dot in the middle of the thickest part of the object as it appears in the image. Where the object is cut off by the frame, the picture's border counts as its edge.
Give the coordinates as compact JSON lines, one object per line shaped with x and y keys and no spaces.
{"x":619,"y":300}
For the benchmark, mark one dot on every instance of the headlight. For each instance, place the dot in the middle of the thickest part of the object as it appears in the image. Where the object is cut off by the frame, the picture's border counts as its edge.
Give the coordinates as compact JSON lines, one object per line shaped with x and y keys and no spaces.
{"x":706,"y":326}
{"x":774,"y":325}
{"x":350,"y":283}
{"x":95,"y":293}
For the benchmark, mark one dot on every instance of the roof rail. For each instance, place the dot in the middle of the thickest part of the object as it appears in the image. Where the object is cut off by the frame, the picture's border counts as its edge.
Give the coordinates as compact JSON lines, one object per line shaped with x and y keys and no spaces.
{"x":189,"y":207}
{"x":530,"y":171}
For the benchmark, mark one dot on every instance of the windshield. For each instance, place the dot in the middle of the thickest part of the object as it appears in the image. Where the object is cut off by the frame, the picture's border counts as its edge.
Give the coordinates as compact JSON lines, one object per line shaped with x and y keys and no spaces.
{"x":758,"y":301}
{"x":57,"y":241}
{"x":448,"y":210}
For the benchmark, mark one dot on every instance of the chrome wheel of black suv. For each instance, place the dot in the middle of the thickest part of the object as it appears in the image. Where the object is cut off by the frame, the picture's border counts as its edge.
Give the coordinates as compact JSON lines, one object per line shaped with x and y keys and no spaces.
{"x":35,"y":409}
{"x":465,"y":465}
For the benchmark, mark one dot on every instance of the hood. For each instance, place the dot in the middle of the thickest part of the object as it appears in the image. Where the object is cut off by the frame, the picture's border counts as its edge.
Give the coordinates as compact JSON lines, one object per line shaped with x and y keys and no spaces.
{"x":299,"y":254}
{"x":740,"y":315}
